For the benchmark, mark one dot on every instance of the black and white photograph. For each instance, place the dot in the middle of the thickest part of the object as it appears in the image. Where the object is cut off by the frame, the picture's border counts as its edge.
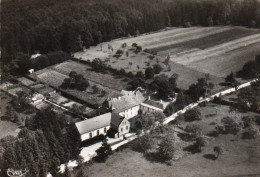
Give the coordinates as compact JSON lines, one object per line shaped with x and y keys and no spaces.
{"x":130,"y":88}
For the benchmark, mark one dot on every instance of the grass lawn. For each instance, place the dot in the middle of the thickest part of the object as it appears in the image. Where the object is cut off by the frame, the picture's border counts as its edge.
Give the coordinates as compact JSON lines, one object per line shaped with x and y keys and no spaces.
{"x":241,"y":157}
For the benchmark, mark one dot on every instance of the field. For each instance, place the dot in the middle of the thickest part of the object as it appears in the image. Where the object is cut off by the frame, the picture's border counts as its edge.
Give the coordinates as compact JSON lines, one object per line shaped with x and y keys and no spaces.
{"x":193,"y":51}
{"x":106,"y":80}
{"x":241,"y":157}
{"x":105,"y":83}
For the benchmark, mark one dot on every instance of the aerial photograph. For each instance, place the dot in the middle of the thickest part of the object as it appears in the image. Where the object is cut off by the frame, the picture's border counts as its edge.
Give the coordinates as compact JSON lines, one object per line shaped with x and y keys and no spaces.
{"x":130,"y":88}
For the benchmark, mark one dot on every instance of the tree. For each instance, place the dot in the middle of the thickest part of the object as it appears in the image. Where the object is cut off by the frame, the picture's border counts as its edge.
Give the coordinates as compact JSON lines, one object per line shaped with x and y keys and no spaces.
{"x":251,"y":132}
{"x":149,"y":120}
{"x":194,"y":130}
{"x":192,"y":115}
{"x":200,"y":141}
{"x":230,"y":78}
{"x":149,"y":73}
{"x":232,"y":124}
{"x":140,"y":75}
{"x":166,"y":148}
{"x":162,"y":86}
{"x":80,"y":160}
{"x":218,"y":150}
{"x":97,"y":64}
{"x":144,"y":143}
{"x":157,"y":68}
{"x":104,"y":151}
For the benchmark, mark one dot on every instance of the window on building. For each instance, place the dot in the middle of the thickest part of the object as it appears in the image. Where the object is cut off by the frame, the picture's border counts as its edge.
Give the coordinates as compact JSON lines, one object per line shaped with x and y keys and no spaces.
{"x":97,"y":132}
{"x":126,"y":128}
{"x":121,"y":129}
{"x":105,"y":130}
{"x":90,"y":135}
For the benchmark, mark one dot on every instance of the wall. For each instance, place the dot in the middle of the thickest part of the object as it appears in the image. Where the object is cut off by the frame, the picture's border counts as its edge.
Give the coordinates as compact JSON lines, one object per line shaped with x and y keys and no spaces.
{"x":122,"y":127}
{"x":86,"y":136}
{"x":131,"y":112}
{"x":145,"y":108}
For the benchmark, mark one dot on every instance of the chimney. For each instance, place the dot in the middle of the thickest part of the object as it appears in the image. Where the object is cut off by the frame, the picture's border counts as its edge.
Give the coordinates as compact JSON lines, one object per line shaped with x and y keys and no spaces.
{"x":161,"y":101}
{"x":149,"y":97}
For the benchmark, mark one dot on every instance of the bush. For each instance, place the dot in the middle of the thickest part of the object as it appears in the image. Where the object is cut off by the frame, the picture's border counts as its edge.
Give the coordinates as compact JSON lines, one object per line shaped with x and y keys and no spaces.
{"x":166,"y":148}
{"x":119,"y":52}
{"x":104,"y":151}
{"x":157,"y":68}
{"x":251,"y":132}
{"x":194,"y":130}
{"x":144,"y":143}
{"x":232,"y":125}
{"x":248,"y":121}
{"x":192,"y":115}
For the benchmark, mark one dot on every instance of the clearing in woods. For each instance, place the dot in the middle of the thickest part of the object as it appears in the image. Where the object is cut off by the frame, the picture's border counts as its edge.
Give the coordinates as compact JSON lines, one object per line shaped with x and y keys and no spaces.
{"x":193,"y":52}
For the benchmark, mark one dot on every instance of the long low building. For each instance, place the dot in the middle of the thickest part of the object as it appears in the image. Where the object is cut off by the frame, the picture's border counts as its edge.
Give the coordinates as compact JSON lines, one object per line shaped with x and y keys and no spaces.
{"x":96,"y":126}
{"x":100,"y":125}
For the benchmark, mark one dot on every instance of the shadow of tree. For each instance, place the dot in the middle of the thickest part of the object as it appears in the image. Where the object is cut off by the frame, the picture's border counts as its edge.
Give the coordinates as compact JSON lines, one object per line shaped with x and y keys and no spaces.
{"x":210,"y":156}
{"x":185,"y":137}
{"x":193,"y":148}
{"x":154,"y":157}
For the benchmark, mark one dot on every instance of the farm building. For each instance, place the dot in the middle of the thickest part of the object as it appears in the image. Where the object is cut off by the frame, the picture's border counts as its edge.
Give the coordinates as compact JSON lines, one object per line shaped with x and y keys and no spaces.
{"x":151,"y":105}
{"x":127,"y":105}
{"x":100,"y":125}
{"x":93,"y":127}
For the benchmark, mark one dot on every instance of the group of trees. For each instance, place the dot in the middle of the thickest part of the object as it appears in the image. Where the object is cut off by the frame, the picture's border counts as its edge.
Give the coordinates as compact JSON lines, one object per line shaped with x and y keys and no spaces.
{"x":250,"y":69}
{"x":164,"y":86}
{"x":249,"y":98}
{"x":200,"y":89}
{"x":45,"y":143}
{"x":22,"y":63}
{"x":182,"y":100}
{"x":68,"y":26}
{"x":148,"y":120}
{"x":75,"y":81}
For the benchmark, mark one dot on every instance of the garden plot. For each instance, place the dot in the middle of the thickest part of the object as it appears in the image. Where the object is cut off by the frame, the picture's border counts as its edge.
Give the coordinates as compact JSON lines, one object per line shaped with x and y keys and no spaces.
{"x":51,"y":77}
{"x":106,"y":80}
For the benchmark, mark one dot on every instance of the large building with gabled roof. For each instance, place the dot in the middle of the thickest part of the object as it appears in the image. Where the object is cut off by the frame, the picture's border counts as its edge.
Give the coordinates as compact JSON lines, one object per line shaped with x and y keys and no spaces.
{"x":93,"y":127}
{"x":127,"y":105}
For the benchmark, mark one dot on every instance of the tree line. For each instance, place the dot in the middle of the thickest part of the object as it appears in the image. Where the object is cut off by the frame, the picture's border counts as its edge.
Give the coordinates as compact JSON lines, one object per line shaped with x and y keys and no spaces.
{"x":44,"y":26}
{"x":44,"y":143}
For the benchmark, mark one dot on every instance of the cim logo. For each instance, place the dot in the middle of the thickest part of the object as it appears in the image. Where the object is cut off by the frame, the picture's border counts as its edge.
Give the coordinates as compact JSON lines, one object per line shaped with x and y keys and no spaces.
{"x":17,"y":173}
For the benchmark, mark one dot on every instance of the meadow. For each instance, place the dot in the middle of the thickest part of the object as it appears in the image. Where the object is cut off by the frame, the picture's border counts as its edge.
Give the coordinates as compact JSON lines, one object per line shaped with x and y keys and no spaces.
{"x":193,"y":52}
{"x":240,"y":156}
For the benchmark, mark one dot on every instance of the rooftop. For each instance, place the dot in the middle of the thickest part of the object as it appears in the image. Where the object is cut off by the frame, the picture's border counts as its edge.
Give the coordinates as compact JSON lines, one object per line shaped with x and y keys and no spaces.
{"x":129,"y":100}
{"x":154,"y":104}
{"x":116,"y":119}
{"x":94,"y":123}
